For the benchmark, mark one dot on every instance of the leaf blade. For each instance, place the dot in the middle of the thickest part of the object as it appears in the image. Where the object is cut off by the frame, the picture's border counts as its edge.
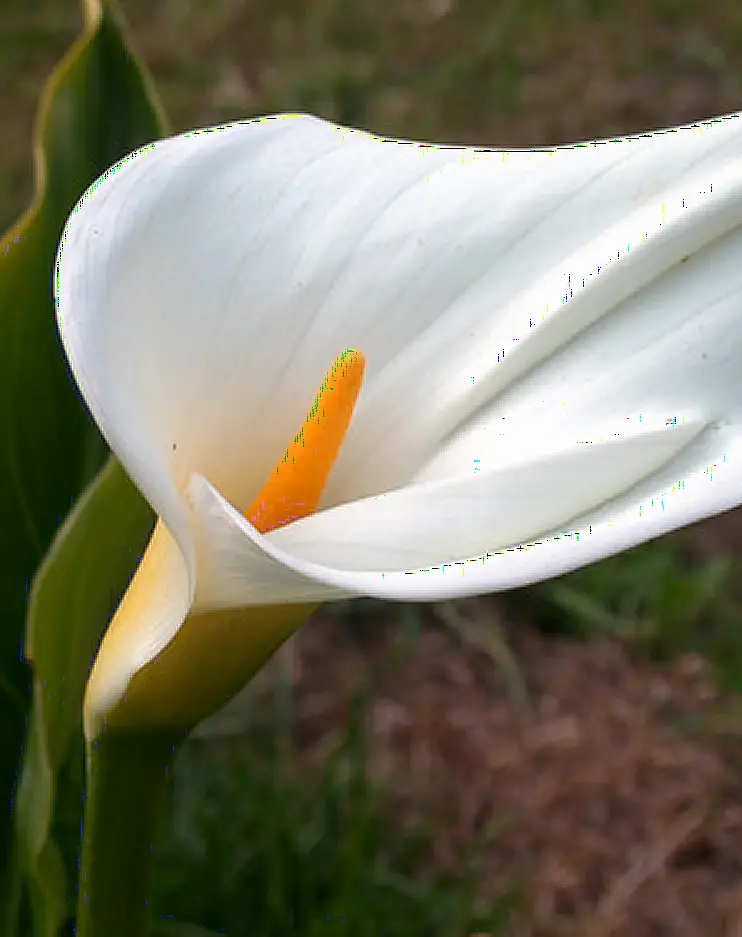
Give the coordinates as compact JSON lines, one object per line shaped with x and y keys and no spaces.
{"x":98,"y":105}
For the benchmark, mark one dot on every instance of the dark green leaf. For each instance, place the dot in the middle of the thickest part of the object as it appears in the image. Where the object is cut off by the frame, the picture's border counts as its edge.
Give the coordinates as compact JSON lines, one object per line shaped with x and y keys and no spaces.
{"x":95,"y":109}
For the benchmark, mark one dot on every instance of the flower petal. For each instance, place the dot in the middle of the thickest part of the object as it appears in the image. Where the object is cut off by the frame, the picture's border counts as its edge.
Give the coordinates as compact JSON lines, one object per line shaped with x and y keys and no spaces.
{"x":419,"y":542}
{"x":510,"y":305}
{"x":669,"y":352}
{"x":206,"y":282}
{"x":148,"y":617}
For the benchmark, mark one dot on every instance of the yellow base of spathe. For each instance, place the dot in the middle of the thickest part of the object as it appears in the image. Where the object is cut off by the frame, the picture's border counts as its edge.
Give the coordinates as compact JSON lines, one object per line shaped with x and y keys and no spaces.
{"x":212,"y":657}
{"x":213,"y":654}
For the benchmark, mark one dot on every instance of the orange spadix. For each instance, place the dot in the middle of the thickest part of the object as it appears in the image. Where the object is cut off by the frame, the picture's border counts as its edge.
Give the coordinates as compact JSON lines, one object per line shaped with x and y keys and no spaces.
{"x":295,"y":485}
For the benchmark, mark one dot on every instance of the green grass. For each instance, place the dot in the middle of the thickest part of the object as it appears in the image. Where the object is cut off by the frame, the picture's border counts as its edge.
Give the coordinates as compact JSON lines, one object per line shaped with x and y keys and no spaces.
{"x":258,"y":845}
{"x":657,"y":601}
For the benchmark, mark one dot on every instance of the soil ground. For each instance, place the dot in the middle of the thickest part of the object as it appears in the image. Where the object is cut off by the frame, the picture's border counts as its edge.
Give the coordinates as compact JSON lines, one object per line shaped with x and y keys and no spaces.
{"x":610,"y":788}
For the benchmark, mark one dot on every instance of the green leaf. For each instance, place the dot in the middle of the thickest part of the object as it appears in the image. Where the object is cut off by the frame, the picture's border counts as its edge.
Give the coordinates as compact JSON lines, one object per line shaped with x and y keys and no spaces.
{"x":73,"y":597}
{"x":96,"y":108}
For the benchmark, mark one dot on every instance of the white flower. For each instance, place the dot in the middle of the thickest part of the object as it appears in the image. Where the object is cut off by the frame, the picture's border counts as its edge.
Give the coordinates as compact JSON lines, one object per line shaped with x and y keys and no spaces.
{"x":553,"y":347}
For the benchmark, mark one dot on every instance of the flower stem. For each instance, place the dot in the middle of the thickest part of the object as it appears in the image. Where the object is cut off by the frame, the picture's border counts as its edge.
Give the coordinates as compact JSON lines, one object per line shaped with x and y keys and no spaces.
{"x":126,"y":783}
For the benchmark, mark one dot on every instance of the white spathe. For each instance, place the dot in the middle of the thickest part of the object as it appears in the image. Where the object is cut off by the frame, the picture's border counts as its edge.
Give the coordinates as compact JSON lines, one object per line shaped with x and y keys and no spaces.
{"x":553,"y":342}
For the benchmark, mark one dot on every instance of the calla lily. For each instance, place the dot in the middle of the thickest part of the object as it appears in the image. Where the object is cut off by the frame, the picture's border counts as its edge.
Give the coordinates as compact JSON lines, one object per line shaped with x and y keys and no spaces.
{"x":553,"y":372}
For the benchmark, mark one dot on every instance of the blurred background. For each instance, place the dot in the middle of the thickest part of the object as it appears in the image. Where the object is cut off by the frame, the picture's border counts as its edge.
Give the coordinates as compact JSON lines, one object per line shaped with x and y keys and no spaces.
{"x":562,"y":760}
